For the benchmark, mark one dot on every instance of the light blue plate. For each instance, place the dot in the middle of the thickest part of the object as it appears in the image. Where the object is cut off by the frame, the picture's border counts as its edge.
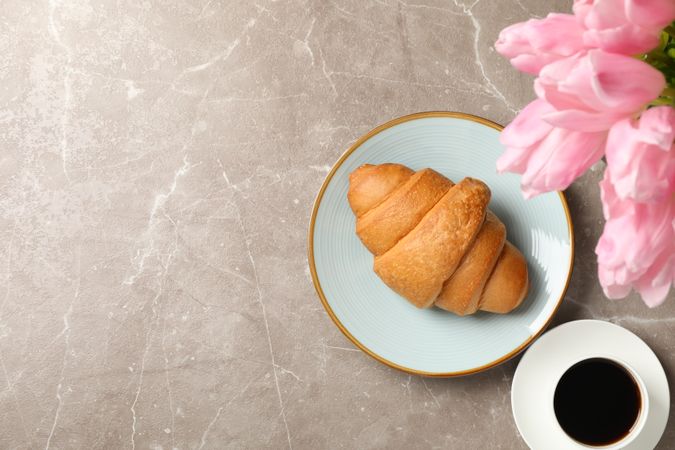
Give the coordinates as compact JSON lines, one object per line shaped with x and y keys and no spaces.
{"x":383,"y":324}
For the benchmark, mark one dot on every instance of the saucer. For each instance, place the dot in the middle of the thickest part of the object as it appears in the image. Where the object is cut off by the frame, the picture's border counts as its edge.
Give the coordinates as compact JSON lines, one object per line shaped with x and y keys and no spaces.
{"x":535,"y":380}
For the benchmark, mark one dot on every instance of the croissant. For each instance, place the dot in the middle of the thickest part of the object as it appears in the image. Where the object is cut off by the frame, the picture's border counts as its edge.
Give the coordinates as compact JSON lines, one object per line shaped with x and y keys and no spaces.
{"x":436,"y":242}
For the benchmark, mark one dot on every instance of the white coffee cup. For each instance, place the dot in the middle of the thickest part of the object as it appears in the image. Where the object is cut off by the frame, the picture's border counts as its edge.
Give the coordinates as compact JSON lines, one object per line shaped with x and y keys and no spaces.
{"x":642,"y":414}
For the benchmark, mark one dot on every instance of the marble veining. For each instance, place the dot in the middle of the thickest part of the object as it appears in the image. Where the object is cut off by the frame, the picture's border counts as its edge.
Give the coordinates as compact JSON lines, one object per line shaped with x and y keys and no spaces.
{"x":159,"y":162}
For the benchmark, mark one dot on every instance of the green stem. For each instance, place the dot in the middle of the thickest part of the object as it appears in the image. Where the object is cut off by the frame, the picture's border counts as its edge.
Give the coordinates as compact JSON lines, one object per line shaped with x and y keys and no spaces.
{"x":661,"y":101}
{"x":662,"y":59}
{"x":657,"y":55}
{"x":668,"y":92}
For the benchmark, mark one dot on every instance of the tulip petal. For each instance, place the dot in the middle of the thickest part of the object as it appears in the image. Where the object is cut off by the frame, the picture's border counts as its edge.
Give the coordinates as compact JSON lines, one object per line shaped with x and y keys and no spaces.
{"x":533,"y":44}
{"x":627,"y":27}
{"x":626,"y":39}
{"x":651,"y":13}
{"x":560,"y":158}
{"x":639,"y":166}
{"x":577,"y":120}
{"x":623,"y":82}
{"x":654,"y":285}
{"x":637,"y":246}
{"x":528,"y":127}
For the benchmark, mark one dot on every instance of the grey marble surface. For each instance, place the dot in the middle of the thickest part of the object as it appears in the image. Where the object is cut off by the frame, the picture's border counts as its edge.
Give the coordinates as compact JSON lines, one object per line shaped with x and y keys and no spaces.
{"x":158,"y":164}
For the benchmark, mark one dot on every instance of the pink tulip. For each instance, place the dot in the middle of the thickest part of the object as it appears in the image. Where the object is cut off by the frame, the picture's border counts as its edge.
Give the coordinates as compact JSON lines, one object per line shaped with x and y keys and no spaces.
{"x":591,"y":92}
{"x":641,"y":156}
{"x":533,"y":44}
{"x":549,"y":158}
{"x":628,"y":27}
{"x":637,"y":247}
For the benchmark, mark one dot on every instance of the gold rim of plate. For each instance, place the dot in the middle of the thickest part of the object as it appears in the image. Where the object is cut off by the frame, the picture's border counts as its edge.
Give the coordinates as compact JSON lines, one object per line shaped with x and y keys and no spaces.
{"x":317,"y":284}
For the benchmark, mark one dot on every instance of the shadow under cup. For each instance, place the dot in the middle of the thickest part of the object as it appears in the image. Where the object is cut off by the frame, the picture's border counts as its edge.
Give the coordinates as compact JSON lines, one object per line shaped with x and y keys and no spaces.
{"x":598,"y":402}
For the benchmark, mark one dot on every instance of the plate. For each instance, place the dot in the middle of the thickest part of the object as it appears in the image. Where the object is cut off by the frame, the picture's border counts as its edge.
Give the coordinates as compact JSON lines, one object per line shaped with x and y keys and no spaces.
{"x":540,"y":367}
{"x":433,"y":342}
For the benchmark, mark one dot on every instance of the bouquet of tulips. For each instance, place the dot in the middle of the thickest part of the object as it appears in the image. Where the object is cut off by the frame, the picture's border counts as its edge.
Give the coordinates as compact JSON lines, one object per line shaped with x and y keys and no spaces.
{"x":605,"y":87}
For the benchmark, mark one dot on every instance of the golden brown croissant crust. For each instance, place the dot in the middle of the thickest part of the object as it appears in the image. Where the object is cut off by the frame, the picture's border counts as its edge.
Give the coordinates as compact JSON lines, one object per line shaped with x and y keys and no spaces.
{"x":436,"y":242}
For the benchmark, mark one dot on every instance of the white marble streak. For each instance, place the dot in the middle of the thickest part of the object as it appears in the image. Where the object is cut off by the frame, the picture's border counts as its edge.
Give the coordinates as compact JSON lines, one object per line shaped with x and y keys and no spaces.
{"x":17,"y":405}
{"x":328,"y":75}
{"x":468,"y":10}
{"x":67,"y":85}
{"x":205,"y":434}
{"x":65,"y":332}
{"x":259,"y":298}
{"x":148,"y":236}
{"x":225,"y":54}
{"x":620,"y":319}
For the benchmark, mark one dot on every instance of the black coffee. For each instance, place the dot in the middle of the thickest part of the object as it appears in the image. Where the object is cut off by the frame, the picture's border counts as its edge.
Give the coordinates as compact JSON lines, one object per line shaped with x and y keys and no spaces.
{"x":597,"y":402}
